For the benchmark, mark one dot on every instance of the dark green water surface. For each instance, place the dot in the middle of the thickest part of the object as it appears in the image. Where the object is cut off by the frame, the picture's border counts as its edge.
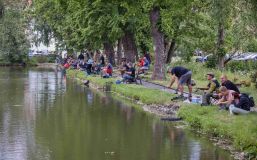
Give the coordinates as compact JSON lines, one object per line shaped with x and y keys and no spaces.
{"x":44,"y":117}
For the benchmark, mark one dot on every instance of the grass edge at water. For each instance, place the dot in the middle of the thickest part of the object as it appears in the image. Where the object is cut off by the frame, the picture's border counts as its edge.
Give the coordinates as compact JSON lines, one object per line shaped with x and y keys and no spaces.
{"x":240,"y":130}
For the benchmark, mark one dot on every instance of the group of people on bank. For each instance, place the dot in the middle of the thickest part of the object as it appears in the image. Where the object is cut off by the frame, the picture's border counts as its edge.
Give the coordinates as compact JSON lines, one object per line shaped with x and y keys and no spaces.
{"x":127,"y":70}
{"x":88,"y":65}
{"x":226,"y":95}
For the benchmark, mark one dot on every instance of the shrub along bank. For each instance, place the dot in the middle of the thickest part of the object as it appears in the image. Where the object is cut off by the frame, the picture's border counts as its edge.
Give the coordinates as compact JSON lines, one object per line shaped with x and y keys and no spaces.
{"x":241,"y":131}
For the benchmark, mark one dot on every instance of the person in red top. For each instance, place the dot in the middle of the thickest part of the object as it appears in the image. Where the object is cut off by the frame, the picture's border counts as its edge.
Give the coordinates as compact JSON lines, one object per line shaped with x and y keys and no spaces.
{"x":107,"y":71}
{"x":64,"y":68}
{"x":141,"y":62}
{"x":66,"y":65}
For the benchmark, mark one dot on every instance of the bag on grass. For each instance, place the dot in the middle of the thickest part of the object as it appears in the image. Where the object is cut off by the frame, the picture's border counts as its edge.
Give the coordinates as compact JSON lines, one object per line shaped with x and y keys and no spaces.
{"x":250,"y":99}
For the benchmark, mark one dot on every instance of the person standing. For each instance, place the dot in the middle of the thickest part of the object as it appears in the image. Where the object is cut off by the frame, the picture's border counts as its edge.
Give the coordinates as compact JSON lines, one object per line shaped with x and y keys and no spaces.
{"x":102,"y":60}
{"x":183,"y":76}
{"x":81,"y":58}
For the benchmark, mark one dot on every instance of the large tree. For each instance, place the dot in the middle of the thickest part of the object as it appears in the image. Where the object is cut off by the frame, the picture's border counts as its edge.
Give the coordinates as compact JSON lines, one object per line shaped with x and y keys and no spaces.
{"x":13,"y":40}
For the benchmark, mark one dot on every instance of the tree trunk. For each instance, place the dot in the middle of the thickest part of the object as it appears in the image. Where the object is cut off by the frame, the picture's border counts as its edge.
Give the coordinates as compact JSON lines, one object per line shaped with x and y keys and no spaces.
{"x":97,"y":56}
{"x":1,"y":9}
{"x":220,"y":45}
{"x":158,"y":41}
{"x":171,"y":51}
{"x":109,"y":52}
{"x":129,"y":46}
{"x":119,"y":50}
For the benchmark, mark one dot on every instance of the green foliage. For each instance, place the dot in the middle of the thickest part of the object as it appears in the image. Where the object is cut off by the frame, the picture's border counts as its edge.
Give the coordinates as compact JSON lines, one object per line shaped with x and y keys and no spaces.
{"x":79,"y":25}
{"x":241,"y":130}
{"x":252,"y":46}
{"x":44,"y":59}
{"x":241,"y":65}
{"x":211,"y":62}
{"x":13,"y":41}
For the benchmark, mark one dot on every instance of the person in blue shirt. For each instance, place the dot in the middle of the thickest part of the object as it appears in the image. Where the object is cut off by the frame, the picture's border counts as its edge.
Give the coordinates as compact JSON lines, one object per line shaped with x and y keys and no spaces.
{"x":145,"y":66}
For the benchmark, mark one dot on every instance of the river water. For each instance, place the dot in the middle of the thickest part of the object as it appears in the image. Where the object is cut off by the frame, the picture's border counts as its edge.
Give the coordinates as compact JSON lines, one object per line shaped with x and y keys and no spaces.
{"x":43,"y":117}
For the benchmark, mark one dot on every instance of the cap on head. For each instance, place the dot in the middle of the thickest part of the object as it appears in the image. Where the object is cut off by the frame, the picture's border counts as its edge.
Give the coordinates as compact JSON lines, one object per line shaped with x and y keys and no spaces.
{"x":210,"y":74}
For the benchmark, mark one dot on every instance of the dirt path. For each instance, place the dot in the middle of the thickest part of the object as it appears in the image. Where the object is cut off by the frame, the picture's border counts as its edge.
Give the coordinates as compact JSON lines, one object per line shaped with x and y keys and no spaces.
{"x":166,"y":89}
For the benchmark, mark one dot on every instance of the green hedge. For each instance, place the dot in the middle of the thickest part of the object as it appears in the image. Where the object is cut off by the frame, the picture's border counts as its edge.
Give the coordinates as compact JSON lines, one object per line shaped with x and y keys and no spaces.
{"x":44,"y":58}
{"x":234,"y":66}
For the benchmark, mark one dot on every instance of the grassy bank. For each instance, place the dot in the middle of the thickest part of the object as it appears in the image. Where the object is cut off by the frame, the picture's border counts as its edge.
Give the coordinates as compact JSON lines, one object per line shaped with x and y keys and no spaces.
{"x":241,"y":130}
{"x":133,"y":91}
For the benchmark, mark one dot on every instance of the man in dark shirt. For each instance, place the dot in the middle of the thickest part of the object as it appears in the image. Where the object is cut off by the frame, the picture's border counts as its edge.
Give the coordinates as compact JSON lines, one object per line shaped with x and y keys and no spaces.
{"x":130,"y":74}
{"x":228,"y":84}
{"x":81,"y":58}
{"x":183,"y":75}
{"x":102,"y":61}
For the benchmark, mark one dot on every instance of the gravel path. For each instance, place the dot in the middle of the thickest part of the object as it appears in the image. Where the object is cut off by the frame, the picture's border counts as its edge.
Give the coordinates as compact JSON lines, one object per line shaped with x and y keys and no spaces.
{"x":166,"y":89}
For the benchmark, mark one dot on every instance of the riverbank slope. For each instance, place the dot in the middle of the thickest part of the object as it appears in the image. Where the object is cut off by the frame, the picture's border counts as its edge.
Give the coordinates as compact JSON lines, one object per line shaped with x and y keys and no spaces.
{"x":239,"y":131}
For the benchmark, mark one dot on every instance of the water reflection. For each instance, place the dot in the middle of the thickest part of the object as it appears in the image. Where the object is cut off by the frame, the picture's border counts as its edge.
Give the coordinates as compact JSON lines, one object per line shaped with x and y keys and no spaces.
{"x":46,"y":117}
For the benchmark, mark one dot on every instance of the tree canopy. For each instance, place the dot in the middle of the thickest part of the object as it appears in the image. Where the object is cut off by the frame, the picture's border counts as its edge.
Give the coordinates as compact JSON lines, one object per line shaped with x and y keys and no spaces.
{"x":163,"y":28}
{"x":14,"y":44}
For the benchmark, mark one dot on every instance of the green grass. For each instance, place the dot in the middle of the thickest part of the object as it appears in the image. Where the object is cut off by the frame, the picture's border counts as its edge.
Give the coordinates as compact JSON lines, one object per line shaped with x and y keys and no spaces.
{"x":240,"y":130}
{"x":133,"y":91}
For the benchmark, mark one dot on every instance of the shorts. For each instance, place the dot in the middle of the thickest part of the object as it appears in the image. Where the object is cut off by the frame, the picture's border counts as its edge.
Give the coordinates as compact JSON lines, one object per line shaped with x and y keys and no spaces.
{"x":185,"y":78}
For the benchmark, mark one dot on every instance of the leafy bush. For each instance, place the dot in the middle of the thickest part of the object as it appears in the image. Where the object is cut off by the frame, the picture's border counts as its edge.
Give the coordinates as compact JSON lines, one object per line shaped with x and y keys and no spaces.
{"x":234,"y":66}
{"x":51,"y":58}
{"x":211,"y":62}
{"x":44,"y":59}
{"x":32,"y":62}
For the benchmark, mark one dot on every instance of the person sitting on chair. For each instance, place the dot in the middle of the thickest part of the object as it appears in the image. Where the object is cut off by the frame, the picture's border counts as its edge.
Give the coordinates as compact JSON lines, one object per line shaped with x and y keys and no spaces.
{"x":145,"y":66}
{"x":211,"y":88}
{"x":123,"y":67}
{"x":130,"y":74}
{"x":107,"y":71}
{"x":140,"y":62}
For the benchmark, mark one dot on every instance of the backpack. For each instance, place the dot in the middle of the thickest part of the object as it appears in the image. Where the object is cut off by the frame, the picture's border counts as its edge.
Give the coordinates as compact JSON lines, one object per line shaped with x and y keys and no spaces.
{"x":252,"y":104}
{"x":217,"y":84}
{"x":250,"y":99}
